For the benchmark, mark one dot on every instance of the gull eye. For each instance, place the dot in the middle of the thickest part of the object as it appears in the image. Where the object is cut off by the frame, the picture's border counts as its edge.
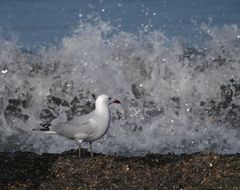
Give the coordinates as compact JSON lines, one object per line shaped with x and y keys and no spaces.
{"x":109,"y":98}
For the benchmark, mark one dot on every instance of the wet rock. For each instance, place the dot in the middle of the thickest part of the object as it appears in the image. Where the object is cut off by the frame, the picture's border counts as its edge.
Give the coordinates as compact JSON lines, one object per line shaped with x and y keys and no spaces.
{"x":227,"y":95}
{"x":88,"y":107}
{"x":25,"y":170}
{"x":138,"y":91}
{"x":12,"y":111}
{"x":15,"y":102}
{"x":225,"y":109}
{"x":176,"y":100}
{"x":47,"y":115}
{"x":57,"y":101}
{"x":154,"y":112}
{"x":74,"y":101}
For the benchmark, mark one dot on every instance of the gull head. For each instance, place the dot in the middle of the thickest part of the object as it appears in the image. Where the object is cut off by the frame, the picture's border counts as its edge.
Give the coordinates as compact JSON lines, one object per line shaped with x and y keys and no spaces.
{"x":106,"y":100}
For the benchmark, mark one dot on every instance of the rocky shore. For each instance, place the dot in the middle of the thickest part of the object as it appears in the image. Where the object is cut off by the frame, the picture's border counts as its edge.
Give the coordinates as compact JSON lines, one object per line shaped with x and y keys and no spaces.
{"x":25,"y":170}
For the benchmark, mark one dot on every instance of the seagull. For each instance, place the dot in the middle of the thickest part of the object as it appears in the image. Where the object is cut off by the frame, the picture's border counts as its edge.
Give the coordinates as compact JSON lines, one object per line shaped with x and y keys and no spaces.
{"x":86,"y":128}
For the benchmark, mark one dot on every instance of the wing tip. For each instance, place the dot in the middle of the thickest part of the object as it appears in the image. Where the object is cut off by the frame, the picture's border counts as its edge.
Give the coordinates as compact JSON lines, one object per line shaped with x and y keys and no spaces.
{"x":45,"y":127}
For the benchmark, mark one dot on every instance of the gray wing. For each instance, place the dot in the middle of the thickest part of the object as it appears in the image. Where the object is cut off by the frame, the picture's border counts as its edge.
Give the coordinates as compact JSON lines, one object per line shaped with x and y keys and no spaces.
{"x":78,"y":128}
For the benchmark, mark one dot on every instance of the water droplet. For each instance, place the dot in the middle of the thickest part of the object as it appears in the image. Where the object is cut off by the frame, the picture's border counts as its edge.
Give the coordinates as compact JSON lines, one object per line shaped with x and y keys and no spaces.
{"x":80,"y":15}
{"x":238,"y":36}
{"x":103,"y":10}
{"x":4,"y":71}
{"x":134,"y":111}
{"x":154,"y":14}
{"x":119,"y":5}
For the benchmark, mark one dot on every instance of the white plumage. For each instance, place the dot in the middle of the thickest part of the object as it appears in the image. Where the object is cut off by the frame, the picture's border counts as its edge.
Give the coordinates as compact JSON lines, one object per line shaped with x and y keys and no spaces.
{"x":88,"y":127}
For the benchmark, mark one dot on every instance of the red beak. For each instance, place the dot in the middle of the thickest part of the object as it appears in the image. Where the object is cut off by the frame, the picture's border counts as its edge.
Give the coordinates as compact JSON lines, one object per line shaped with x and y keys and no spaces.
{"x":116,"y":101}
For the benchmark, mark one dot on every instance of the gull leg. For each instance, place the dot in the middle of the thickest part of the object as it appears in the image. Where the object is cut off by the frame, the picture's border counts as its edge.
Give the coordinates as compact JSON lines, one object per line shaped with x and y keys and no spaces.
{"x":91,"y":148}
{"x":79,"y":150}
{"x":79,"y":147}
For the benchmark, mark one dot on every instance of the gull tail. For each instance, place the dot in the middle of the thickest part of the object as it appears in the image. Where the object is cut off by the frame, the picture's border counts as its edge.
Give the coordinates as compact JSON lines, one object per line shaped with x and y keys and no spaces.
{"x":45,"y":127}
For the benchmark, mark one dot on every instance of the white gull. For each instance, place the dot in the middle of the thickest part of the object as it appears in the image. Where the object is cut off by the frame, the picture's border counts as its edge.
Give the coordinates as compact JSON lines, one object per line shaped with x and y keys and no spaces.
{"x":88,"y":127}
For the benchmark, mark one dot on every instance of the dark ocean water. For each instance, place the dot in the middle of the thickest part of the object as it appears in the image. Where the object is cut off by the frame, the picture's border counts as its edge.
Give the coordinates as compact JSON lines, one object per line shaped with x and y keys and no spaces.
{"x":174,"y":65}
{"x":48,"y":22}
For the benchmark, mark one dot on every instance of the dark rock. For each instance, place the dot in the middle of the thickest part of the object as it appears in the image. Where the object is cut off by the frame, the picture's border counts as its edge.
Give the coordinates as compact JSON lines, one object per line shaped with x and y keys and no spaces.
{"x":176,"y":100}
{"x":25,"y":170}
{"x":15,"y":102}
{"x":47,"y":115}
{"x":74,"y":101}
{"x":57,"y":101}
{"x":137,"y":91}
